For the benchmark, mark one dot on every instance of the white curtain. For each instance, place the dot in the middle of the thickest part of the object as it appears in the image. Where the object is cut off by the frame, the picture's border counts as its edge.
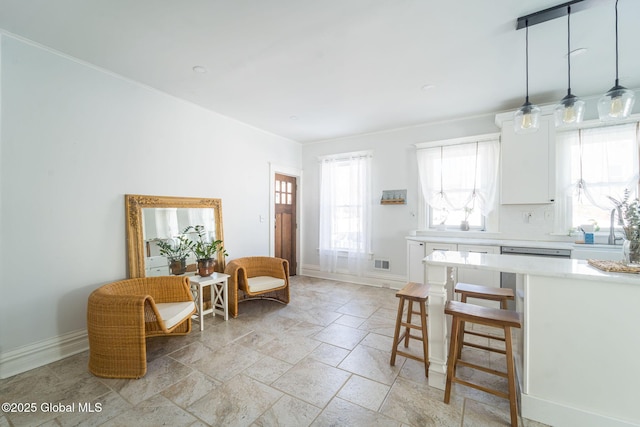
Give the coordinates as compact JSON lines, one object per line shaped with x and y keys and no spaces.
{"x":593,"y":165}
{"x":345,"y":212}
{"x":461,"y":176}
{"x":166,"y":223}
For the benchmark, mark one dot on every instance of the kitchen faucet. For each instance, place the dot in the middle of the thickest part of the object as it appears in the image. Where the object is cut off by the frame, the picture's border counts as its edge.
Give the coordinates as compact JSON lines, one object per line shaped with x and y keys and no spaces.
{"x":612,"y":235}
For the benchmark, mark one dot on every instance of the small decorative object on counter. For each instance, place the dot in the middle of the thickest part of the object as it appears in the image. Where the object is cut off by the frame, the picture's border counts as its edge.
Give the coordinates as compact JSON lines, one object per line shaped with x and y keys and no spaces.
{"x":464,"y":224}
{"x":630,"y":212}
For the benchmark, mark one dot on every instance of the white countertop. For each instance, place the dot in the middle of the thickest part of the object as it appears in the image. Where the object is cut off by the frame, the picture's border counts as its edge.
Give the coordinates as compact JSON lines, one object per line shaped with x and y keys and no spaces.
{"x":539,"y":266}
{"x":495,"y":242}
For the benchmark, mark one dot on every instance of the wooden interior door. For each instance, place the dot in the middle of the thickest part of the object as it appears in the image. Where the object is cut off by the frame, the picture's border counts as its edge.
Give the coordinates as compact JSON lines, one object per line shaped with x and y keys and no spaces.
{"x":286,"y":224}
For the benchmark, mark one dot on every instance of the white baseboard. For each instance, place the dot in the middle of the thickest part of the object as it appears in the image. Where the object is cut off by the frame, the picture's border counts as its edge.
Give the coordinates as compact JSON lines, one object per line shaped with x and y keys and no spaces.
{"x":382,"y":280}
{"x":42,"y":353}
{"x":558,"y":415}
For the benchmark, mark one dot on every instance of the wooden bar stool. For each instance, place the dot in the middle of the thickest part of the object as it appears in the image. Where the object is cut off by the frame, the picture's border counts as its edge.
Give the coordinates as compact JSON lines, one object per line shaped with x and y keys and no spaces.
{"x":467,"y":290}
{"x":493,"y":317}
{"x":412,"y":292}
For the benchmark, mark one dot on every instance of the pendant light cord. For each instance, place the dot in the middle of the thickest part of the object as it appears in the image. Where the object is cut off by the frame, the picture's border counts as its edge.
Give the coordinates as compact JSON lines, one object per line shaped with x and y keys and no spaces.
{"x":527,"y":59}
{"x":617,"y":80}
{"x":569,"y":49}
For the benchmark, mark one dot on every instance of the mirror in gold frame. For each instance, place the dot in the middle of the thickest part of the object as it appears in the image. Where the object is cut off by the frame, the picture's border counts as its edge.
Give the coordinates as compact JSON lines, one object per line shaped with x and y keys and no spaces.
{"x":138,"y":211}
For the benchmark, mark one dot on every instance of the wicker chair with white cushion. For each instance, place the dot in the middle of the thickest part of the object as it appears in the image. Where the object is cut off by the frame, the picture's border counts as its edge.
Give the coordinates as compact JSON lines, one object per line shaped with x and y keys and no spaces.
{"x":257,"y":277}
{"x":121,"y":315}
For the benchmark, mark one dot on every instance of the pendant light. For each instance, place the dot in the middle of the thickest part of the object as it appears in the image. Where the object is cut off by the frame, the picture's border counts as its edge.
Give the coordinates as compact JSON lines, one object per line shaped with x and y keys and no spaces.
{"x":617,"y":103}
{"x":527,"y":118}
{"x":570,"y":110}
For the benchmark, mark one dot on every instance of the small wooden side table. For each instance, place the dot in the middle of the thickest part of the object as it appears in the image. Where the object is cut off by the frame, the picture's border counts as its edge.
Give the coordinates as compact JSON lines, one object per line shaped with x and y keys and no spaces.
{"x":219,"y":291}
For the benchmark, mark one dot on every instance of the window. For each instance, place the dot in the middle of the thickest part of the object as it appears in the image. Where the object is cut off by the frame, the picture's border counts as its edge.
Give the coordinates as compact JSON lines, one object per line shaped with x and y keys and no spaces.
{"x":603,"y":162}
{"x":284,"y":192}
{"x":458,"y":180}
{"x":345,"y":200}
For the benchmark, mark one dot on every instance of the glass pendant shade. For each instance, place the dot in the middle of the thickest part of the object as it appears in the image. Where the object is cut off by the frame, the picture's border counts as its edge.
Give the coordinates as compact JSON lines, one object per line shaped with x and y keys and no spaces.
{"x":569,"y":111}
{"x":616,"y":104}
{"x":526,"y":118}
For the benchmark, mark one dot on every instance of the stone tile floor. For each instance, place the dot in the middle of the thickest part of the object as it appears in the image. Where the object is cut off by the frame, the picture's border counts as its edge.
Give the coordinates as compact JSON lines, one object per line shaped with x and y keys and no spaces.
{"x":322,"y":360}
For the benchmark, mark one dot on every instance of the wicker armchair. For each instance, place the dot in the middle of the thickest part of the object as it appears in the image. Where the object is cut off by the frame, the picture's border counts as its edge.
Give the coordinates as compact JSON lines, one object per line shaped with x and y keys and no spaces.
{"x":121,"y":315}
{"x":257,"y":277}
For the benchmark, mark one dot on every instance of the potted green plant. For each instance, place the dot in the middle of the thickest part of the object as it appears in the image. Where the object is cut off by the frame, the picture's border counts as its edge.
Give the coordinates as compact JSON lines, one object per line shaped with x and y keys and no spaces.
{"x":204,"y":248}
{"x":176,"y":250}
{"x":630,"y":212}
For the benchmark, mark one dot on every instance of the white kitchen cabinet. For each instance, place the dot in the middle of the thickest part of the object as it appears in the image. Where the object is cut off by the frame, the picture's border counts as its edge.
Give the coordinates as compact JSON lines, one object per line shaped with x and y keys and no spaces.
{"x":415,"y":268}
{"x":416,"y":251}
{"x":480,"y":277}
{"x":528,"y":164}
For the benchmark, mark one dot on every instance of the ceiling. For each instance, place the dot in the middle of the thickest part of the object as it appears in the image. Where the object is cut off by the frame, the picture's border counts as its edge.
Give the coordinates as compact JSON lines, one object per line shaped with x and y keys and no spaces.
{"x":311,"y":70}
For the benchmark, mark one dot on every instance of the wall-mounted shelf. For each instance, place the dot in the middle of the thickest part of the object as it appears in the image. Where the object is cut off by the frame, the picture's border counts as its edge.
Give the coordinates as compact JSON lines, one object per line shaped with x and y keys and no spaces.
{"x":394,"y":197}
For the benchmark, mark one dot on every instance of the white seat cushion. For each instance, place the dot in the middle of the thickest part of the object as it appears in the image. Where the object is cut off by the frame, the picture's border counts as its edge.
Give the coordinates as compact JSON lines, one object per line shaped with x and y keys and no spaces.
{"x":175,"y":312}
{"x":264,"y":283}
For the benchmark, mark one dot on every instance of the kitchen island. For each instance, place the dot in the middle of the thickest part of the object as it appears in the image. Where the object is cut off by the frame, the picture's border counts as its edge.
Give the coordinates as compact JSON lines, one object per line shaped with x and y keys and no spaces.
{"x":578,"y":353}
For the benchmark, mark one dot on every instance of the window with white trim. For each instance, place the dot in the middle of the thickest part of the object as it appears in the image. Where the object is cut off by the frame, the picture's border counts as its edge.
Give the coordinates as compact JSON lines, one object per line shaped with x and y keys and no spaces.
{"x":345,"y":211}
{"x":458,"y":180}
{"x":595,"y":165}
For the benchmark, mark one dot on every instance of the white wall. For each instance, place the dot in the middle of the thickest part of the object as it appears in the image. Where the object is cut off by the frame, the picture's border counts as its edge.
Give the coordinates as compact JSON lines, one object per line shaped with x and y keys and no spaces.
{"x":74,"y":140}
{"x":394,"y":168}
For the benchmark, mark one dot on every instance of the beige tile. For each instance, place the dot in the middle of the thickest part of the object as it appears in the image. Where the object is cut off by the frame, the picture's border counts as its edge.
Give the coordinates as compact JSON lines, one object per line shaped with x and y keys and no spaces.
{"x":267,"y":369}
{"x":348,"y":320}
{"x":193,"y":387}
{"x":288,"y":412}
{"x":235,"y":403}
{"x":364,"y":392}
{"x":191,"y":353}
{"x":477,"y":414}
{"x":153,"y":412}
{"x":420,"y":405}
{"x":381,"y":342}
{"x":227,"y":362}
{"x":304,"y":329}
{"x":340,"y":336}
{"x":358,"y":308}
{"x":371,"y":363}
{"x":312,"y":381}
{"x":289,"y":348}
{"x":342,"y":413}
{"x":161,"y":373}
{"x":96,"y":412}
{"x":329,"y":354}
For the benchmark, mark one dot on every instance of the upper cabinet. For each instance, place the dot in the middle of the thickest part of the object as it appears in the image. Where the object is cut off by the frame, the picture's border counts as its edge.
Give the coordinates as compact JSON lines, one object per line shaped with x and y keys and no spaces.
{"x":528,"y":164}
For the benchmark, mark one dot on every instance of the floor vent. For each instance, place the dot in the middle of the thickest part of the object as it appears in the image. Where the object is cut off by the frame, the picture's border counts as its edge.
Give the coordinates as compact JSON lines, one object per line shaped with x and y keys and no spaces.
{"x":381,"y":264}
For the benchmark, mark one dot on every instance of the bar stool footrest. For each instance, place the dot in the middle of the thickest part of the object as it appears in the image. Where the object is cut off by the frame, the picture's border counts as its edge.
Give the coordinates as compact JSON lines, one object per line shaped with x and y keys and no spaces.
{"x":482,"y":368}
{"x":480,"y":334}
{"x":480,"y":387}
{"x":484,"y":347}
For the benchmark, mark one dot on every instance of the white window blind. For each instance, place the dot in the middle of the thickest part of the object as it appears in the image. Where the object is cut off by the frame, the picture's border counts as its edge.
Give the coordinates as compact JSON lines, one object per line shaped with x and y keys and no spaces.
{"x":461,"y":176}
{"x":593,"y":165}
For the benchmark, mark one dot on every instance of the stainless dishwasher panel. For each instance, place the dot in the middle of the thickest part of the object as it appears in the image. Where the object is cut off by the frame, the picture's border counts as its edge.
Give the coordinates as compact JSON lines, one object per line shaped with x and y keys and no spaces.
{"x":508,"y":280}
